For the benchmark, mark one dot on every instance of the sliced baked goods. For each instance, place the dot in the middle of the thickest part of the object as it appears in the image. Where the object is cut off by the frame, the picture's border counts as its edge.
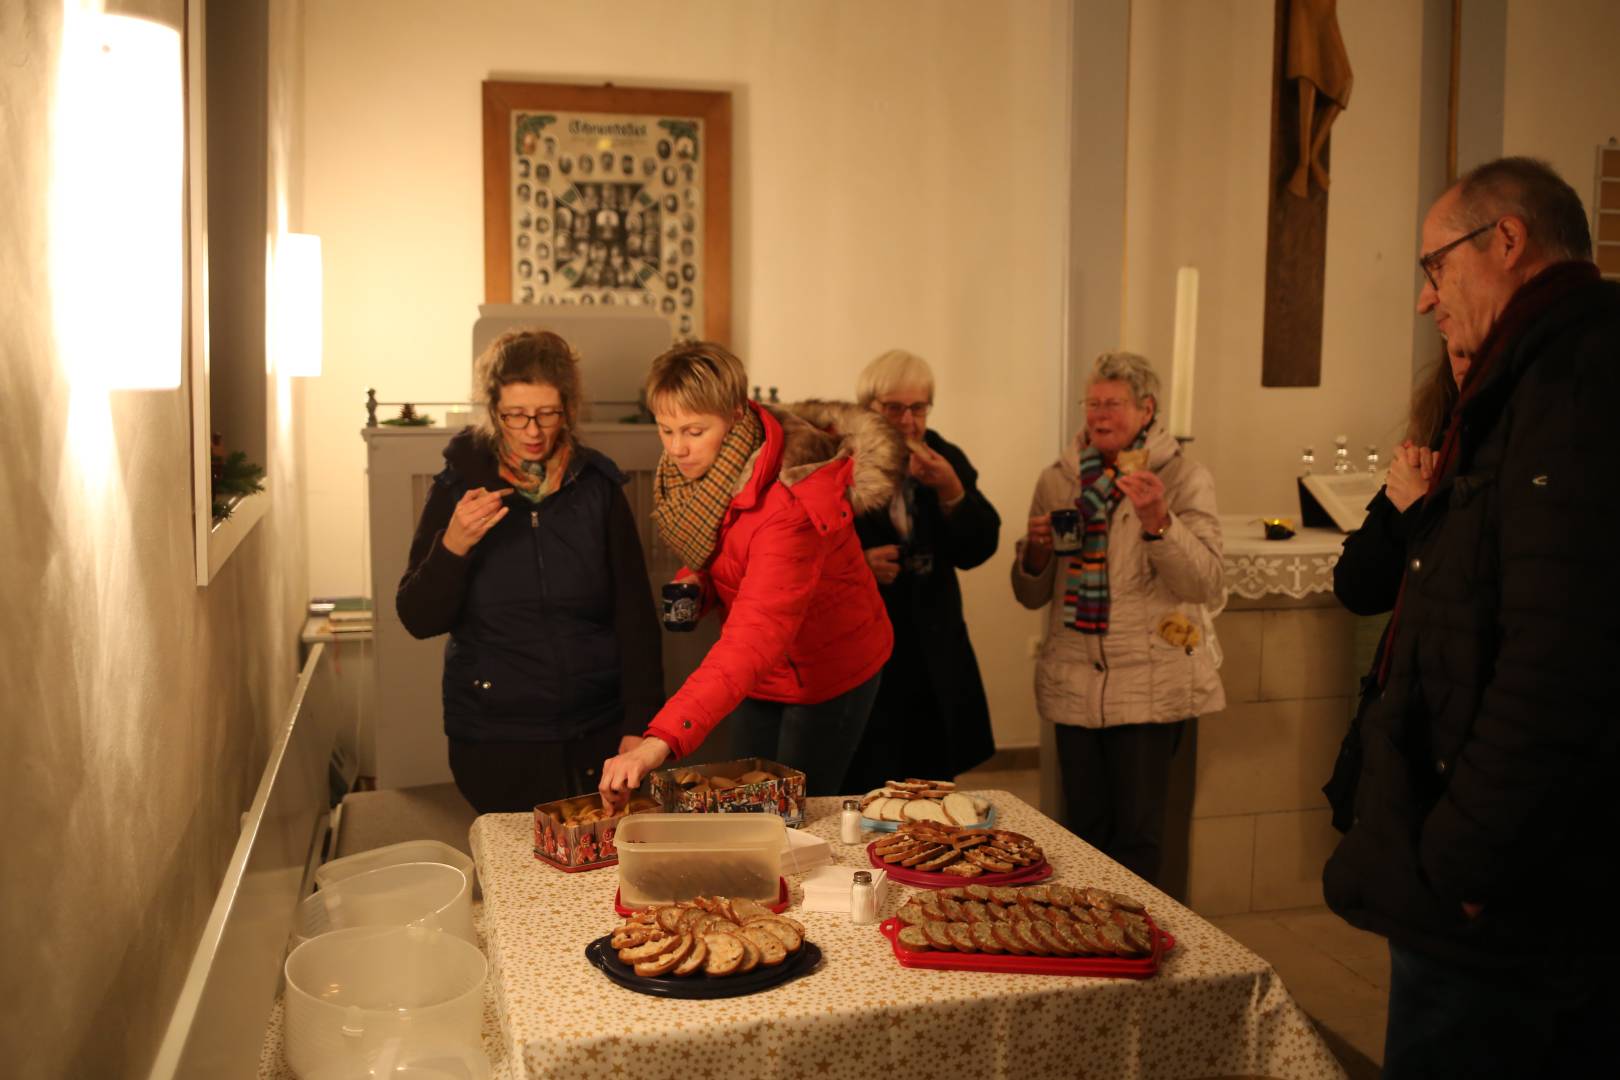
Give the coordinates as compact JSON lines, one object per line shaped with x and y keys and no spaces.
{"x":716,"y":935}
{"x":1040,"y":920}
{"x":934,"y":848}
{"x":924,"y":800}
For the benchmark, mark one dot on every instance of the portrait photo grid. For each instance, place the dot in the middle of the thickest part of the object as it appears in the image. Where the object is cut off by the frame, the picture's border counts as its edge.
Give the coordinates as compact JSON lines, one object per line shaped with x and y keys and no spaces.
{"x":607,"y":210}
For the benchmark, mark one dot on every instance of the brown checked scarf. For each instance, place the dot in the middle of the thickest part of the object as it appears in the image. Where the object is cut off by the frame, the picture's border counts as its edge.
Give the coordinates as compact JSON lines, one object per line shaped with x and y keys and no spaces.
{"x":688,"y":512}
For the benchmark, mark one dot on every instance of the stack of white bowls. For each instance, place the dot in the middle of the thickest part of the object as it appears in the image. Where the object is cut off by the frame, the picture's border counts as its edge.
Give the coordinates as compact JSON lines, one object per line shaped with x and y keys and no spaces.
{"x":385,"y":979}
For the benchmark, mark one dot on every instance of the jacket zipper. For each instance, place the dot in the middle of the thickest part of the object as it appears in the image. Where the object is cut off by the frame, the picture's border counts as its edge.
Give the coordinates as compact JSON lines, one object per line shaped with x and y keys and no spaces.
{"x":534,"y":536}
{"x":1102,"y":694}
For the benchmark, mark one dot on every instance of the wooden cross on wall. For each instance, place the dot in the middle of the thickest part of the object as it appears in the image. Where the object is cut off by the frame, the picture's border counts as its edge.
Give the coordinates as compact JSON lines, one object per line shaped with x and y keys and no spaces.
{"x":1310,"y":86}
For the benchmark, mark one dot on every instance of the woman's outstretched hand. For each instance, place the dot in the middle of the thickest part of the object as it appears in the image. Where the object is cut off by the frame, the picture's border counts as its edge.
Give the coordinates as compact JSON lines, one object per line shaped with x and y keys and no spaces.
{"x":621,"y":775}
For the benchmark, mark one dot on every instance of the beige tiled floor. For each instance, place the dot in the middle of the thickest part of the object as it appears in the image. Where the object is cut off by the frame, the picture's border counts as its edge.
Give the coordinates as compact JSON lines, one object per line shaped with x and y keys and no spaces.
{"x":1338,"y":974}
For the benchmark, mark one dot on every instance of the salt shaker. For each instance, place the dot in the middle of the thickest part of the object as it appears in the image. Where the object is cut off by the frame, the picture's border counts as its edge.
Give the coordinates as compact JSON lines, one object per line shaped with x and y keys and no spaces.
{"x":862,"y":899}
{"x":849,"y":822}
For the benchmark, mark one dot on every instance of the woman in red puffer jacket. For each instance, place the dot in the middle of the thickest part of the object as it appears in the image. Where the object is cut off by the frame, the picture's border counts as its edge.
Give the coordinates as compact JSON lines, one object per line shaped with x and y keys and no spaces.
{"x":761,"y":504}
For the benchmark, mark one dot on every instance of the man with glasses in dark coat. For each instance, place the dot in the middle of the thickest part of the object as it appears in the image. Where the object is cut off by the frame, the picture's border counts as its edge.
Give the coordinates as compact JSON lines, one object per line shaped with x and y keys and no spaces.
{"x":1484,"y":844}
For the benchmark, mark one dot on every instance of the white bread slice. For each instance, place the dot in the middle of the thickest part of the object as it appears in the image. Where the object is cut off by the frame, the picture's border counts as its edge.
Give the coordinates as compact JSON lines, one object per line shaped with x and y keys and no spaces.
{"x":894,"y":810}
{"x":926,"y":810}
{"x":960,"y":809}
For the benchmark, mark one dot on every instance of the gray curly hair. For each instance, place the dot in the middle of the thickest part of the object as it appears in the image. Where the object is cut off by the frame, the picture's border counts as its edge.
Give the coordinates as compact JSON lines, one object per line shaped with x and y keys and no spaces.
{"x":1131,"y":369}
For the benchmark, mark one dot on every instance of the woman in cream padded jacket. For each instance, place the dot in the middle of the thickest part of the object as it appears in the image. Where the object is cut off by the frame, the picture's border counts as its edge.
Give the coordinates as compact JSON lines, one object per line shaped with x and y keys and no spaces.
{"x":1127,"y":657}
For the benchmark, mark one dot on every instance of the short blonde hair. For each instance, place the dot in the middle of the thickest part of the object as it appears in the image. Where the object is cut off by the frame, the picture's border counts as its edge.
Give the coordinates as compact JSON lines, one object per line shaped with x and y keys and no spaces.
{"x":894,"y":369}
{"x":1131,"y":369}
{"x":698,"y":377}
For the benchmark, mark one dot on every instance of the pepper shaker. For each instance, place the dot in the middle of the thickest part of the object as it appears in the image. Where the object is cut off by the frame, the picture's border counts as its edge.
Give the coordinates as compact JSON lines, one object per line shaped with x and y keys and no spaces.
{"x":863,"y":899}
{"x":849,"y":822}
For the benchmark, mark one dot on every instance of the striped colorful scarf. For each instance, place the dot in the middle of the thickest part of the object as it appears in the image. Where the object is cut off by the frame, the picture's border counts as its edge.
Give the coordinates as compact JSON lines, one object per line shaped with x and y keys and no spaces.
{"x":688,"y":512}
{"x":535,"y":480}
{"x":1085,"y":588}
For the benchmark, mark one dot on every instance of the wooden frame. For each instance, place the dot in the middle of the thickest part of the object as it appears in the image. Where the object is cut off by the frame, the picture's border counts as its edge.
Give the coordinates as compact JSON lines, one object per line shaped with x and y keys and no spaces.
{"x":707,"y":277}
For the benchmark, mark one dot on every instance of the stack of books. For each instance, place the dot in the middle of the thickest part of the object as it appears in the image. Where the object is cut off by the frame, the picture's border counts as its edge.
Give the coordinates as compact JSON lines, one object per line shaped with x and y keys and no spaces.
{"x":344,"y":614}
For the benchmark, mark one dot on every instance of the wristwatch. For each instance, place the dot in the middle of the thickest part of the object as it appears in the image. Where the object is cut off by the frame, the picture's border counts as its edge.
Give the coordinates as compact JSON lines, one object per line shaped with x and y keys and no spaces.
{"x":1157,"y":534}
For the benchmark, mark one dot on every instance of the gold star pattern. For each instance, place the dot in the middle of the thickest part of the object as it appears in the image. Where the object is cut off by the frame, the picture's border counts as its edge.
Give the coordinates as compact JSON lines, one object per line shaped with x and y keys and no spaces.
{"x":549,"y":1013}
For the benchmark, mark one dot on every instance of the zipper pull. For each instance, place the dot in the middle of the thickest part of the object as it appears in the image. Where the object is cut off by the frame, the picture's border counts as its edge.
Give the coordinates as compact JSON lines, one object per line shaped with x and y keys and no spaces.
{"x":534,"y":519}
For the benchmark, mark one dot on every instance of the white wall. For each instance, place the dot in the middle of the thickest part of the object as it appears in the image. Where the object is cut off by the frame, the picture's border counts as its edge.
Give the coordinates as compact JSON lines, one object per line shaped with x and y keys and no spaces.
{"x":901,"y":171}
{"x":136,"y":707}
{"x":1563,"y":86}
{"x":1200,"y":101}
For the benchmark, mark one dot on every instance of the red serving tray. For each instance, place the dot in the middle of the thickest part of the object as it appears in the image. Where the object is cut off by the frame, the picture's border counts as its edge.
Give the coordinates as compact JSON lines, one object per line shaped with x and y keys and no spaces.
{"x":1026,"y":875}
{"x":1108,"y":967}
{"x":783,"y":899}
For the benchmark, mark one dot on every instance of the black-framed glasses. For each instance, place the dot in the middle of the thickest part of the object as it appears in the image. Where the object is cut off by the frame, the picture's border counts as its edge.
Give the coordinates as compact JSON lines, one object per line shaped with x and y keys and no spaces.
{"x":1430,"y":264}
{"x":893,"y":410}
{"x":541,"y":418}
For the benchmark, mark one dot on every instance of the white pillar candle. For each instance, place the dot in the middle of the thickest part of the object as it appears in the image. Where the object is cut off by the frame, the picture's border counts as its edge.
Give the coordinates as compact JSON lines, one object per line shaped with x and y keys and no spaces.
{"x":1183,"y":351}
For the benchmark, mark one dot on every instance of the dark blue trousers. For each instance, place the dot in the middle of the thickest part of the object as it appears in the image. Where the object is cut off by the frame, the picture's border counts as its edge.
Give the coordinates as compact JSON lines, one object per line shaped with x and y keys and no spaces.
{"x":1551,"y":1021}
{"x":819,"y":740}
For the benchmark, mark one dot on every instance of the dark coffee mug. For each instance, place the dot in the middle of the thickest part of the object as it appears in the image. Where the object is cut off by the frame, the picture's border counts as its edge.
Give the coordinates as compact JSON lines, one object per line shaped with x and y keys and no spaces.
{"x":918,"y":561}
{"x":1065,"y":531}
{"x":681,"y":606}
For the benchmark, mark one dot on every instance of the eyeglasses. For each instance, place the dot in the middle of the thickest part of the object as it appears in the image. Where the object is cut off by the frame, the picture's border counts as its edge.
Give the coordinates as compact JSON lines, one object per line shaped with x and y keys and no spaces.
{"x":541,"y":418}
{"x":1101,"y":405}
{"x":893,"y":410}
{"x":1431,"y":263}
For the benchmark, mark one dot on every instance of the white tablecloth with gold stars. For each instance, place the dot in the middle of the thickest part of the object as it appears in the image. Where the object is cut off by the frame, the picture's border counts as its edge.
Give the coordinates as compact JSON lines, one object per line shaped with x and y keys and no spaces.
{"x":1214,"y":1009}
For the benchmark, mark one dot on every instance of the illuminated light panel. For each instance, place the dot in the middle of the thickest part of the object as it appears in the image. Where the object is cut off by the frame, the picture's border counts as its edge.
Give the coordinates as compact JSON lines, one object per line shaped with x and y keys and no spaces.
{"x":117,"y":203}
{"x":298,"y":305}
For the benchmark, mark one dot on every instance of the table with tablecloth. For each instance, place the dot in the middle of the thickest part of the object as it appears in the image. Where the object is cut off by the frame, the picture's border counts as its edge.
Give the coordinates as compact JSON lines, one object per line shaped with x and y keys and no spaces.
{"x":1213,"y":1009}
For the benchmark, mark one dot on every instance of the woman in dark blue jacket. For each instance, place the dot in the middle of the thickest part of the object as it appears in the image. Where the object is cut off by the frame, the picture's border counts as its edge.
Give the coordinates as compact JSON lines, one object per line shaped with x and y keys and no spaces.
{"x":527,"y":555}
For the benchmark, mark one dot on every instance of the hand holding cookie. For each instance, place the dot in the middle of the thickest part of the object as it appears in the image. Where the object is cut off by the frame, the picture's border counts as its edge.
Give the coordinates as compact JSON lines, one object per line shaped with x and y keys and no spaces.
{"x":478,"y":512}
{"x":1146,"y":492}
{"x":932,"y":470}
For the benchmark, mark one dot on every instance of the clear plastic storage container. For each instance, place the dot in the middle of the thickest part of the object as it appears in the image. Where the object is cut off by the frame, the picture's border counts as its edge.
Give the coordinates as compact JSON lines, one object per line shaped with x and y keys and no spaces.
{"x":668,"y":857}
{"x":430,"y":895}
{"x":351,"y":994}
{"x":392,"y":855}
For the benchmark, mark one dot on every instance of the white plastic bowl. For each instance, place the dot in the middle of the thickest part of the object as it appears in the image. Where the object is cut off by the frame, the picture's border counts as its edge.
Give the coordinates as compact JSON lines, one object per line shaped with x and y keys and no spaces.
{"x":352,"y":994}
{"x":377,"y":858}
{"x":430,"y":895}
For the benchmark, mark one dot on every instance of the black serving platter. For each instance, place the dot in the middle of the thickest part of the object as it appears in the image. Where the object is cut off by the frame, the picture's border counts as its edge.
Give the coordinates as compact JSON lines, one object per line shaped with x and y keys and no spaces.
{"x":606,"y":959}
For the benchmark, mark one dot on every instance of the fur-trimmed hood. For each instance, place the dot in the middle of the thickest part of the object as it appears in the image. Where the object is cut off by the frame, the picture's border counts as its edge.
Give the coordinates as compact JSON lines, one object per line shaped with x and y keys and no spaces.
{"x":816,"y":433}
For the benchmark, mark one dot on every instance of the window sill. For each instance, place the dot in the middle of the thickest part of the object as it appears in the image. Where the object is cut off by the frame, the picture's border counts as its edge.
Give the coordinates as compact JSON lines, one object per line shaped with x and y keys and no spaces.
{"x":225,"y":535}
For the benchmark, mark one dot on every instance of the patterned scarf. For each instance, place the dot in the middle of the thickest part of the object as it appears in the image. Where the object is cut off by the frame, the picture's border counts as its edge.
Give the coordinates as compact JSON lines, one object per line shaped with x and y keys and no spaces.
{"x":688,"y":512}
{"x":1085,"y":588}
{"x":535,"y":480}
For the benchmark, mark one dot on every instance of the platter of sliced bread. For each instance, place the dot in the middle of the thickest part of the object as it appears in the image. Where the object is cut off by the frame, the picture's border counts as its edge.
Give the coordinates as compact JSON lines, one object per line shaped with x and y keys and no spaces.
{"x":932,"y":855}
{"x":1035,"y":930}
{"x":899,"y":801}
{"x":707,"y":947}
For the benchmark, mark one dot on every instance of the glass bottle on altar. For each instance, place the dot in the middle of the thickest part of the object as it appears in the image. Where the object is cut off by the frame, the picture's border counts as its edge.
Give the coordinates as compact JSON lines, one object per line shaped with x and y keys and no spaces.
{"x":1341,"y":454}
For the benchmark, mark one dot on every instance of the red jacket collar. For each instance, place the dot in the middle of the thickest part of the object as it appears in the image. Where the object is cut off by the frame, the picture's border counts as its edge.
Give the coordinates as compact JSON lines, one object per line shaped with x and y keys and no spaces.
{"x":767,"y":466}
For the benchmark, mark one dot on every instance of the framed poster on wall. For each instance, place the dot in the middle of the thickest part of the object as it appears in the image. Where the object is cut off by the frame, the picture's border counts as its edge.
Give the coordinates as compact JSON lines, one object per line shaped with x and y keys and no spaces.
{"x":606,"y":195}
